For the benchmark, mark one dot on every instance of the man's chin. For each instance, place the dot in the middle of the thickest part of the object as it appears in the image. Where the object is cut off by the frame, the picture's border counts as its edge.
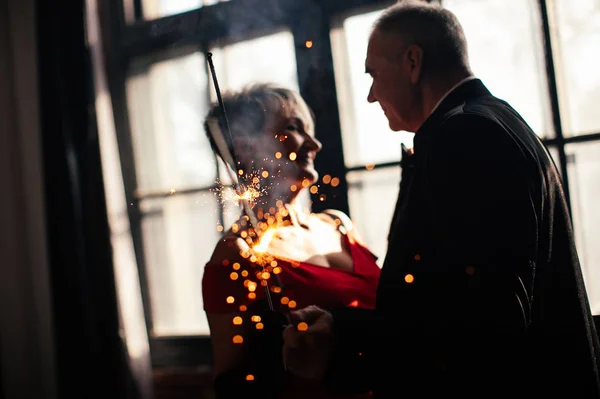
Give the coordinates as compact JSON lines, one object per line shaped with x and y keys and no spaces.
{"x":398,"y":126}
{"x":395,"y":126}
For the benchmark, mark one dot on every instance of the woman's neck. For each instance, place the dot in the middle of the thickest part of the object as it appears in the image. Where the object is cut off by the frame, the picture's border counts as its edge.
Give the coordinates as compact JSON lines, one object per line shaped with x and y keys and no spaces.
{"x":283,"y":204}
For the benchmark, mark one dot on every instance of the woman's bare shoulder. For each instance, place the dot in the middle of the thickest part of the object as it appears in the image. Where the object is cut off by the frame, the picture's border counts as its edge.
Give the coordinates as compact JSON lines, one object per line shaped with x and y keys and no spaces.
{"x":337,"y":218}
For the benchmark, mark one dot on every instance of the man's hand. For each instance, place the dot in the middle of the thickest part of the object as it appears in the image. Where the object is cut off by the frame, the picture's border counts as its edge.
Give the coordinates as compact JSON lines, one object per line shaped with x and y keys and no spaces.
{"x":308,"y":343}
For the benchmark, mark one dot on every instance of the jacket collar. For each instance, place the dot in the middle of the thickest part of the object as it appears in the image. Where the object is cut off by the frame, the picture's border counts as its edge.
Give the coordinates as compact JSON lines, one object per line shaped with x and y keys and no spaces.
{"x":462,"y":82}
{"x":468,"y":90}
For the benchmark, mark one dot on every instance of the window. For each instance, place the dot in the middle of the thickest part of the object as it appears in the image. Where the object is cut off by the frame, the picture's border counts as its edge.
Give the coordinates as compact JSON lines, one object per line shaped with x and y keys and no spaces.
{"x":161,"y":8}
{"x":536,"y":54}
{"x":366,"y":136}
{"x":246,"y":62}
{"x":584,"y":176}
{"x":177,"y":168}
{"x":167,"y":104}
{"x":372,"y":195}
{"x":577,"y":45}
{"x":505,"y":48}
{"x":179,"y":234}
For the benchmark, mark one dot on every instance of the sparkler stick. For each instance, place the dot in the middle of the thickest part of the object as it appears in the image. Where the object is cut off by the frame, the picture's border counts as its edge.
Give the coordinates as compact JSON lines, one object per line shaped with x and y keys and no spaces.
{"x":231,"y":161}
{"x":221,"y":105}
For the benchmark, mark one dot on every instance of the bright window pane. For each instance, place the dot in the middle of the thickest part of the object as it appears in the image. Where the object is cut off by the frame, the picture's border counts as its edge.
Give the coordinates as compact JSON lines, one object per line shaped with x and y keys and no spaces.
{"x":179,"y":235}
{"x":577,"y":59}
{"x":584,"y":184}
{"x":153,"y":9}
{"x":372,"y":196}
{"x":366,"y":134}
{"x":167,"y":106}
{"x":555,"y":157}
{"x":245,"y":62}
{"x":505,"y":48}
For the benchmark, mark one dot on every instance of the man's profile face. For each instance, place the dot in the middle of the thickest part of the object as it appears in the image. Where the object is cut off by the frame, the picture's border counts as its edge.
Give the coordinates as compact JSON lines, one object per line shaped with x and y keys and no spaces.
{"x":391,"y":85}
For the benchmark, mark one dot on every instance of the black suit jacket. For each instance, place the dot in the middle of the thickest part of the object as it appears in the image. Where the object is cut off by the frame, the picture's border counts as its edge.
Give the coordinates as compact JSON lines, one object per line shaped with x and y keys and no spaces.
{"x":481,"y":292}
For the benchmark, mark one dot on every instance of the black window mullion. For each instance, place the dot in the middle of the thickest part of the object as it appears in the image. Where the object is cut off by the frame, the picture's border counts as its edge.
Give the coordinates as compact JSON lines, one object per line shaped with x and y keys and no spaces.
{"x":373,"y":166}
{"x":138,"y":11}
{"x":575,"y":139}
{"x":227,"y":22}
{"x":175,"y":193}
{"x":317,"y":86}
{"x":354,"y":7}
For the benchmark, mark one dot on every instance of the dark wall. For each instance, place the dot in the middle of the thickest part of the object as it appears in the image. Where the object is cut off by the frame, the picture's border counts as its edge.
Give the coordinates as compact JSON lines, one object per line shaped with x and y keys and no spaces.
{"x":91,"y":359}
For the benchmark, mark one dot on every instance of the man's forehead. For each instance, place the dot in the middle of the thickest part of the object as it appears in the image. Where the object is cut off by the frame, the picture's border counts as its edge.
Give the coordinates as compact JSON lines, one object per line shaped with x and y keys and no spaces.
{"x":376,"y":55}
{"x":372,"y":51}
{"x":382,"y":44}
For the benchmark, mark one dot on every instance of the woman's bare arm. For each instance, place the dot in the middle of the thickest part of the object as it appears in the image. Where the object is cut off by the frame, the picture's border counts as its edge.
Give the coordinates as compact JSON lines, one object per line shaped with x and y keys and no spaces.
{"x":227,"y":355}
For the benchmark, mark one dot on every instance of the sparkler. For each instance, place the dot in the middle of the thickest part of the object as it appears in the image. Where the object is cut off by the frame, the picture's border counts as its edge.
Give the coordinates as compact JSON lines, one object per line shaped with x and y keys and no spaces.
{"x":243,"y":195}
{"x":231,"y":161}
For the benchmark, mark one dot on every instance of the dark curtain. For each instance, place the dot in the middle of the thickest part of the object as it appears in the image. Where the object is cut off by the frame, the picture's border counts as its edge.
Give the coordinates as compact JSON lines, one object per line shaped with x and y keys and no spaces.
{"x":92,"y":360}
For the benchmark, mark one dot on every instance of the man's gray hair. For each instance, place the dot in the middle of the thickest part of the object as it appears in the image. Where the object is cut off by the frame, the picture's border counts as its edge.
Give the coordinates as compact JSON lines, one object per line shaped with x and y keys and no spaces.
{"x":433,"y":28}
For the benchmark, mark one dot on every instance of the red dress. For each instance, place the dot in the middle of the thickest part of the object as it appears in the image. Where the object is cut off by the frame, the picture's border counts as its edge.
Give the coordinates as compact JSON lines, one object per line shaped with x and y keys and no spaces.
{"x":303,"y":284}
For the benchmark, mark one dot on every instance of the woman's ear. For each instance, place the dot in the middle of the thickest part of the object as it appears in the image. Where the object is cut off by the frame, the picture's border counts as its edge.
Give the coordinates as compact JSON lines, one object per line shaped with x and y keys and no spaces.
{"x":244,"y":148}
{"x":256,"y":151}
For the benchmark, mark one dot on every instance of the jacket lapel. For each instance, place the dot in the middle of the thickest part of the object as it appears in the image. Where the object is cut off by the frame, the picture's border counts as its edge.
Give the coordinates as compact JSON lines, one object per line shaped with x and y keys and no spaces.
{"x":424,"y":137}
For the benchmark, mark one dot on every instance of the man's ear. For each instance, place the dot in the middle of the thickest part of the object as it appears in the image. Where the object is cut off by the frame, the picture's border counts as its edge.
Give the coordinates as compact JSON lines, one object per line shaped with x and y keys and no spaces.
{"x":413,"y":59}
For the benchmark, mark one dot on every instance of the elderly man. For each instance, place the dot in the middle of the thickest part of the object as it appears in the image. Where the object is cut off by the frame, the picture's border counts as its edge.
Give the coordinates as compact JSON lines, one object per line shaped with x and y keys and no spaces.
{"x":481,"y":292}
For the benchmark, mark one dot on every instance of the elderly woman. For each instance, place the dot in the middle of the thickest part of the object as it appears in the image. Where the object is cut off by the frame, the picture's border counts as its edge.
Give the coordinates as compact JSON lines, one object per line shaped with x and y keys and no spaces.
{"x":290,"y":258}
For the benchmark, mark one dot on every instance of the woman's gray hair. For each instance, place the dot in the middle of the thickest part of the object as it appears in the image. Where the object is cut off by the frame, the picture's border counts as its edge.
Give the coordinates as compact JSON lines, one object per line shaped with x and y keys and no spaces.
{"x":248,"y":110}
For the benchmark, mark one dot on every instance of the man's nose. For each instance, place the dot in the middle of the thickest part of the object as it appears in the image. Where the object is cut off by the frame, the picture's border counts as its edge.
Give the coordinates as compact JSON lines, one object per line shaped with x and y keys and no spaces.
{"x":371,"y":97}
